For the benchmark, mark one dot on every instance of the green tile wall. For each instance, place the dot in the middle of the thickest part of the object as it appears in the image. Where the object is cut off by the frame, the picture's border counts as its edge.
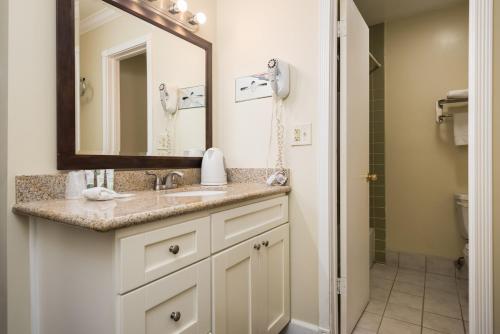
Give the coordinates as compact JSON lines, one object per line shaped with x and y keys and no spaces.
{"x":377,"y":142}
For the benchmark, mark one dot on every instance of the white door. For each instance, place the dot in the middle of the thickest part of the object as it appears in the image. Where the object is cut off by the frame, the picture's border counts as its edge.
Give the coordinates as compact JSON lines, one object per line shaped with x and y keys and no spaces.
{"x":276,"y":275}
{"x":354,"y":163}
{"x":236,"y":285}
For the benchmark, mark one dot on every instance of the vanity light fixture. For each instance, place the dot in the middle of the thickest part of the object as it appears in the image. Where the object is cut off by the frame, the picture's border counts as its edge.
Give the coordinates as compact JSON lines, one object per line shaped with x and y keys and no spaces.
{"x":199,"y":18}
{"x":177,"y":11}
{"x":179,"y":6}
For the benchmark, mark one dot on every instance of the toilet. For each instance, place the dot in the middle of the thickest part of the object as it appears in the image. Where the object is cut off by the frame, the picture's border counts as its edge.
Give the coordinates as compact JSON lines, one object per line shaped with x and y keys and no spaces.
{"x":462,"y":219}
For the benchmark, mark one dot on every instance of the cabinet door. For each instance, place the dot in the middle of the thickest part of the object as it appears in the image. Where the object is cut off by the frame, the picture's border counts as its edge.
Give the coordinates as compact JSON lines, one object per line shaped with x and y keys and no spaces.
{"x":276,"y":280}
{"x":176,"y":304}
{"x":235,"y":289}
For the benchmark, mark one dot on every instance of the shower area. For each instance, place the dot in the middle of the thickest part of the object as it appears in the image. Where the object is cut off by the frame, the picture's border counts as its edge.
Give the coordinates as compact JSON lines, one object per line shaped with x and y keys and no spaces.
{"x":377,"y":145}
{"x":418,"y":166}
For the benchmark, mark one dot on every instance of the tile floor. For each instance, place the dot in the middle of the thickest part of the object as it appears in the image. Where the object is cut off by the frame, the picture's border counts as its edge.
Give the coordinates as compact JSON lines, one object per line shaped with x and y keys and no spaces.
{"x":427,"y":299}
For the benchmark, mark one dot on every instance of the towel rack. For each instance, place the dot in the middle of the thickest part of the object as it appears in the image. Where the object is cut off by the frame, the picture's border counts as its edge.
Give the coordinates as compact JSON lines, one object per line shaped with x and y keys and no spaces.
{"x":376,"y":62}
{"x":440,"y":115}
{"x":444,"y":102}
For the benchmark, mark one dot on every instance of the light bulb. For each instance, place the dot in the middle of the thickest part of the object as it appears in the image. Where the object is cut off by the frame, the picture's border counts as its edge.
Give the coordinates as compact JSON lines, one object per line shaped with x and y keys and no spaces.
{"x":199,"y":18}
{"x":179,"y":6}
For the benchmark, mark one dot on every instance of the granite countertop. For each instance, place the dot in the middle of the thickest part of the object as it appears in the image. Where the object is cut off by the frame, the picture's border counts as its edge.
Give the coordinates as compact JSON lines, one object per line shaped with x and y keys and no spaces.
{"x":144,"y":207}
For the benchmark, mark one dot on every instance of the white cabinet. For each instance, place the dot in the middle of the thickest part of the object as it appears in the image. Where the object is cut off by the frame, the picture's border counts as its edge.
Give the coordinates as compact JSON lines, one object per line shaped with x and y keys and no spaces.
{"x":251,"y":285}
{"x":219,"y":271}
{"x":176,"y":304}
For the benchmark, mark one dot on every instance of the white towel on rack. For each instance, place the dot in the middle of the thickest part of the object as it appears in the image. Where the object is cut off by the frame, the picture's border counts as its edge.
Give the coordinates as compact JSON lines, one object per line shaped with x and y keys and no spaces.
{"x":461,"y":128}
{"x":458,"y":94}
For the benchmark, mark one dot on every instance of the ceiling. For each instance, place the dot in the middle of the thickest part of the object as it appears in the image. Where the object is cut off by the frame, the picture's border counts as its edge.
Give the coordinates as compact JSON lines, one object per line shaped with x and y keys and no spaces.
{"x":378,"y":11}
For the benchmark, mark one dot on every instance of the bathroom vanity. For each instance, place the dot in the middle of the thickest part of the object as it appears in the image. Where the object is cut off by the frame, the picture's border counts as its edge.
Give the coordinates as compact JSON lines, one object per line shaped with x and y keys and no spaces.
{"x":207,"y":261}
{"x":159,"y":263}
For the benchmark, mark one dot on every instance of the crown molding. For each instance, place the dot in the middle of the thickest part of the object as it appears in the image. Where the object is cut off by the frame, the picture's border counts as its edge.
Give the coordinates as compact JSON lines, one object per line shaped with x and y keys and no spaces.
{"x":98,"y":19}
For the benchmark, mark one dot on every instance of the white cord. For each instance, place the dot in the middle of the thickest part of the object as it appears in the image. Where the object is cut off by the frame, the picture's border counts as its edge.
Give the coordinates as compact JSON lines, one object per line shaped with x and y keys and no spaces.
{"x":278,"y":115}
{"x":280,"y":135}
{"x":271,"y":131}
{"x":171,"y":125}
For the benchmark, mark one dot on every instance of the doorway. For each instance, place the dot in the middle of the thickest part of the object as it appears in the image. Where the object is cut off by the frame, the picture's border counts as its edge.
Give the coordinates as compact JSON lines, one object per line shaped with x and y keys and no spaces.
{"x":127,"y":66}
{"x":133,"y":105}
{"x":420,"y":166}
{"x":480,"y":157}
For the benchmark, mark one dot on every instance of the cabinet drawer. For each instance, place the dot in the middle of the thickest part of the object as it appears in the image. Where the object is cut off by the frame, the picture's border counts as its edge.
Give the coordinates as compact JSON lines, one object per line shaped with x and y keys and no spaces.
{"x":176,"y":304}
{"x":233,"y":226}
{"x":148,"y":256}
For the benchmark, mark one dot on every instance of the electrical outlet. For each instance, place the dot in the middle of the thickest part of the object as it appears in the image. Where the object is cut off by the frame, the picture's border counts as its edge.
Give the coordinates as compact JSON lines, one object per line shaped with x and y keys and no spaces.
{"x":302,"y":134}
{"x":162,"y":142}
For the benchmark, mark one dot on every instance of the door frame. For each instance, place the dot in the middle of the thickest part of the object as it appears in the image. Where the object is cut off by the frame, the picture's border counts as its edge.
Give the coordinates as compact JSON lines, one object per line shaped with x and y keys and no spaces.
{"x":480,"y":167}
{"x":110,"y":59}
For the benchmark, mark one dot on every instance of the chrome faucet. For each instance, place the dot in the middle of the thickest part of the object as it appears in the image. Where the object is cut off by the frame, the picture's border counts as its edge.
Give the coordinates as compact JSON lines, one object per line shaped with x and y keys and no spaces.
{"x":172,"y":178}
{"x":168,"y":182}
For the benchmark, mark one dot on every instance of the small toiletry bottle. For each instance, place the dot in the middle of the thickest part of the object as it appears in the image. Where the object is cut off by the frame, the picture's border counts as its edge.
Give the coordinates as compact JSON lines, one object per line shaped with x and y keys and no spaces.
{"x":110,"y":177}
{"x":89,"y":176}
{"x":100,"y":177}
{"x":105,"y":182}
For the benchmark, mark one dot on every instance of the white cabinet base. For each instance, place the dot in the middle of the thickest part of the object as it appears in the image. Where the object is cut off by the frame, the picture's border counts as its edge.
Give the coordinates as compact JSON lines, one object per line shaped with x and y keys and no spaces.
{"x":130,"y":282}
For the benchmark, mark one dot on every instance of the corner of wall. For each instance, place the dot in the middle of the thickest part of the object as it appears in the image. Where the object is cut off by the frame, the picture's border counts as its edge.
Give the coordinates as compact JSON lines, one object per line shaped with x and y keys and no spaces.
{"x":4,"y":28}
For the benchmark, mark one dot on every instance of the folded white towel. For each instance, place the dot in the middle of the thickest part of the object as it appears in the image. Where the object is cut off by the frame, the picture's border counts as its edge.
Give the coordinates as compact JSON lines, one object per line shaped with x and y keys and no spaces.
{"x":461,"y":128}
{"x":458,"y":94}
{"x":102,"y":194}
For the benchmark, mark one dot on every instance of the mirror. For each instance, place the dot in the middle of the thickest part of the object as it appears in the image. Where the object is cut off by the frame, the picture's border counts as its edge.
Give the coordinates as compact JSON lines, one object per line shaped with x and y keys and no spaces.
{"x":141,"y":89}
{"x":134,"y":88}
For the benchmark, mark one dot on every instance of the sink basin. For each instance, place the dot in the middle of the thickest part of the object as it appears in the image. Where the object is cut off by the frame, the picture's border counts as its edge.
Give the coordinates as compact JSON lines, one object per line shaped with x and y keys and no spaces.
{"x":200,"y":193}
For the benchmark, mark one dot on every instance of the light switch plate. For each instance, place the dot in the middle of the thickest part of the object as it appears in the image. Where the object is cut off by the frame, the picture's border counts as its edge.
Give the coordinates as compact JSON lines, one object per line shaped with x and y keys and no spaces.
{"x":302,"y":134}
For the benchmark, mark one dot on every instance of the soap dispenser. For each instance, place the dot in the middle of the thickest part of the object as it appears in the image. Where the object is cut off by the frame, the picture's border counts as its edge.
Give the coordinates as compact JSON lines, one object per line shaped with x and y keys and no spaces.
{"x":213,"y":170}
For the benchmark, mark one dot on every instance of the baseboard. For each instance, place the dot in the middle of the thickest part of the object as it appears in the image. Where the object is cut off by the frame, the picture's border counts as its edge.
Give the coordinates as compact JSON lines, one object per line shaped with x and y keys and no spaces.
{"x":302,"y":327}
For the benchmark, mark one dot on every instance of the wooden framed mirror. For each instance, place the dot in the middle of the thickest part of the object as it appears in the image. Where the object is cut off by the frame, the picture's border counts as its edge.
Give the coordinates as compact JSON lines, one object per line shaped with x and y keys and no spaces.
{"x":134,"y":89}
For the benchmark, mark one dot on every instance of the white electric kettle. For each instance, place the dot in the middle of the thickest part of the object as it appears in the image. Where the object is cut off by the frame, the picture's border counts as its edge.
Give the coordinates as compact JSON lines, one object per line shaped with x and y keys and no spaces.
{"x":213,"y":170}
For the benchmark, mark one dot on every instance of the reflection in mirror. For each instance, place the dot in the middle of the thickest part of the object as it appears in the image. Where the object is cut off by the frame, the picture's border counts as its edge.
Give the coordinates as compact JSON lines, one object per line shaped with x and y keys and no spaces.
{"x":141,"y":89}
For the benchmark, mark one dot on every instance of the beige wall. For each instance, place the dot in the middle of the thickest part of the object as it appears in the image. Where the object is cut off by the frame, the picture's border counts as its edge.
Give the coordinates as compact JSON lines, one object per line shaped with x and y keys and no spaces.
{"x":425,"y":57}
{"x":496,"y":164}
{"x":31,"y":133}
{"x":247,"y":37}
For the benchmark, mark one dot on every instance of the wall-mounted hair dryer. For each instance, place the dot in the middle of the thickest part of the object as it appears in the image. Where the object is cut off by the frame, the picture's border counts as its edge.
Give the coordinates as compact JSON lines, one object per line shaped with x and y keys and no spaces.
{"x":169,"y":99}
{"x":279,"y":77}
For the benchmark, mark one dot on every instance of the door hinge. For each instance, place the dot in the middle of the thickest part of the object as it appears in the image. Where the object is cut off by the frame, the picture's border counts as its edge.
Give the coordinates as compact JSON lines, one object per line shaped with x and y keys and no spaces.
{"x":341,"y":29}
{"x":341,"y":286}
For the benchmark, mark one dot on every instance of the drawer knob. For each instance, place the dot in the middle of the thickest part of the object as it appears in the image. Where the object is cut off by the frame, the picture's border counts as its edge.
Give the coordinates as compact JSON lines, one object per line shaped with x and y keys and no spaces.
{"x":265,"y":243}
{"x":175,"y":316}
{"x":256,"y":246}
{"x":174,"y":249}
